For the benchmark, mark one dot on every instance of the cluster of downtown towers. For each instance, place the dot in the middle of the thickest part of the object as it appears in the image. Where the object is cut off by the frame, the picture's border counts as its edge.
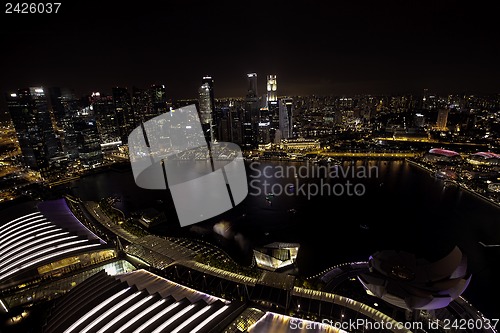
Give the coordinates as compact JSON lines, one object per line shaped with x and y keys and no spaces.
{"x":55,"y":127}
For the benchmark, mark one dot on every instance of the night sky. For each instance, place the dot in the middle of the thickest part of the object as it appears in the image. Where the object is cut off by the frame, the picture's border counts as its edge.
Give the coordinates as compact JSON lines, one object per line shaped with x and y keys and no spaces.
{"x":314,"y":47}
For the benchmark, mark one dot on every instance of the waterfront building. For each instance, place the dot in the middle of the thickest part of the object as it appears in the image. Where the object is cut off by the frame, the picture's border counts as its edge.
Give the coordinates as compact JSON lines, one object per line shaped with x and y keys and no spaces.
{"x":484,"y":158}
{"x":300,"y":144}
{"x":276,"y":256}
{"x":413,"y":283}
{"x":141,"y":302}
{"x":439,"y":155}
{"x":44,"y":244}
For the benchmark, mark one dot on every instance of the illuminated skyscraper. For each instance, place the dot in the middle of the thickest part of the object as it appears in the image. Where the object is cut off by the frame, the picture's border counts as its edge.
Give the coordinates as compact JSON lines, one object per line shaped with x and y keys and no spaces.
{"x":272,"y":87}
{"x":272,"y":107}
{"x":30,"y":115}
{"x":65,"y":107}
{"x":88,"y":141}
{"x":252,"y":114}
{"x":442,"y":119}
{"x":236,"y":121}
{"x":252,"y":85}
{"x":106,"y":118}
{"x":285,"y":119}
{"x":124,"y":113}
{"x":157,"y":101}
{"x":210,"y":82}
{"x":206,"y":111}
{"x":205,"y":104}
{"x":148,"y":103}
{"x":216,"y":114}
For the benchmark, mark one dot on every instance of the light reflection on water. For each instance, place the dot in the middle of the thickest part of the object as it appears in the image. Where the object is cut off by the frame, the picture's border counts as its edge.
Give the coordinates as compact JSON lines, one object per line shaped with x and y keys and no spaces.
{"x":403,"y":207}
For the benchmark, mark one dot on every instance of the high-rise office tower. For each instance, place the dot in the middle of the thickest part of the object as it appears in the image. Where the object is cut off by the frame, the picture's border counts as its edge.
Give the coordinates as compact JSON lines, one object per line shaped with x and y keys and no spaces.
{"x":65,"y":107}
{"x":206,"y":111}
{"x":272,"y":89}
{"x":419,"y":120}
{"x":61,"y":100}
{"x":272,"y":107}
{"x":425,"y":97}
{"x":251,"y":120}
{"x":140,"y":104}
{"x":106,"y":119}
{"x":442,"y":119}
{"x":216,"y":112}
{"x":236,"y":120}
{"x":274,"y":120}
{"x":205,"y":104}
{"x":224,"y":124}
{"x":286,"y":117}
{"x":148,"y":103}
{"x":208,"y":80}
{"x":88,"y":141}
{"x":30,"y":115}
{"x":264,"y":126}
{"x":252,"y":85}
{"x":123,"y":111}
{"x":157,"y":101}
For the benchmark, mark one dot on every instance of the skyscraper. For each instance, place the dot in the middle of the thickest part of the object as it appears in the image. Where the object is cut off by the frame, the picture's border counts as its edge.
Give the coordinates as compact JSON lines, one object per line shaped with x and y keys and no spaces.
{"x":272,"y":87}
{"x":210,"y":82}
{"x":442,"y":119}
{"x":216,"y":112}
{"x":123,"y":111}
{"x":252,"y":85}
{"x":158,"y":101}
{"x":106,"y":118}
{"x":286,"y":117}
{"x":65,"y":107}
{"x":88,"y":141}
{"x":148,"y":103}
{"x":30,"y":115}
{"x":206,"y":111}
{"x":236,"y":121}
{"x":251,"y":120}
{"x":273,"y":107}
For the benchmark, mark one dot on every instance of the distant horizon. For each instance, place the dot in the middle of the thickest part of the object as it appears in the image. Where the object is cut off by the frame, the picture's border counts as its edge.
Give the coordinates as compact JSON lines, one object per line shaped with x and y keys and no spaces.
{"x":261,"y":92}
{"x":5,"y":116}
